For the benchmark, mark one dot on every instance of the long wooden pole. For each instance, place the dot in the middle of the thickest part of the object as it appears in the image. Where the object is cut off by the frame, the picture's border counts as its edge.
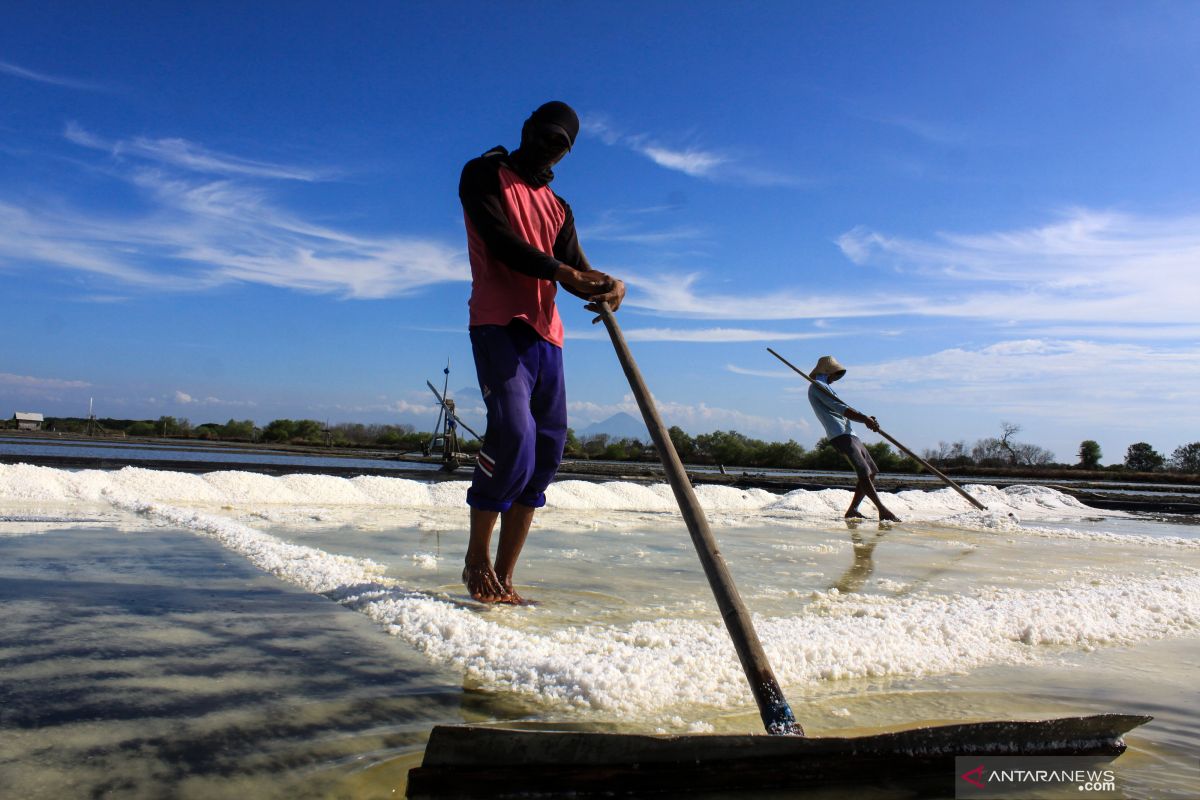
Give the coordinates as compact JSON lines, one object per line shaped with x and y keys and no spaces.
{"x":776,"y":714}
{"x":887,"y":436}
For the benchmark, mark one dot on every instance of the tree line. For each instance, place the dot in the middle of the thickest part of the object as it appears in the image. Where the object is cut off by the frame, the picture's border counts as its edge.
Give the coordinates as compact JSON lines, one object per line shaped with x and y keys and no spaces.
{"x":1004,"y":451}
{"x":278,"y":431}
{"x":719,"y":448}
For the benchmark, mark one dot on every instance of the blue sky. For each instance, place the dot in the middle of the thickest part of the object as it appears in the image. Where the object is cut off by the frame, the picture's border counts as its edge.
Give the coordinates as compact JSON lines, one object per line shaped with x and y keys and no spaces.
{"x":988,"y":211}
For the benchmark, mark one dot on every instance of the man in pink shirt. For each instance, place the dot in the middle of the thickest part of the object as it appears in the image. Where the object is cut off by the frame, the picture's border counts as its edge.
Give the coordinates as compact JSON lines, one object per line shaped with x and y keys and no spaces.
{"x":522,"y":244}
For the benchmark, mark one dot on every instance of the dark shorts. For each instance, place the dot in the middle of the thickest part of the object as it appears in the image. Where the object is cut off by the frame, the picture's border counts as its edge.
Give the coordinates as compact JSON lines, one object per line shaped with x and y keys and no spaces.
{"x":856,"y":453}
{"x":521,"y":377}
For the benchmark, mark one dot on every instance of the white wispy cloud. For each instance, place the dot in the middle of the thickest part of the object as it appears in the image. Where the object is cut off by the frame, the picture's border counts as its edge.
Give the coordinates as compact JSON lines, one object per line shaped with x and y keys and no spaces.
{"x":35,"y":382}
{"x":405,"y":407}
{"x":654,"y":227}
{"x":101,"y":299}
{"x":693,"y":160}
{"x":705,"y":335}
{"x":694,"y":418}
{"x":1087,"y":266}
{"x":106,"y":247}
{"x":931,"y":131}
{"x":638,"y":226}
{"x":201,"y":232}
{"x":761,"y":373}
{"x":423,"y":410}
{"x":16,"y":71}
{"x":1071,"y":380}
{"x":654,"y":238}
{"x":681,"y":295}
{"x":935,"y":132}
{"x":184,"y":399}
{"x":600,"y":127}
{"x":191,"y":156}
{"x":1118,"y":330}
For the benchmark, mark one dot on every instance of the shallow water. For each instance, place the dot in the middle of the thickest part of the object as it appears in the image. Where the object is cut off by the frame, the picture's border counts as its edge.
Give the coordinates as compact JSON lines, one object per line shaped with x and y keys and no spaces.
{"x":197,"y":636}
{"x":218,"y":455}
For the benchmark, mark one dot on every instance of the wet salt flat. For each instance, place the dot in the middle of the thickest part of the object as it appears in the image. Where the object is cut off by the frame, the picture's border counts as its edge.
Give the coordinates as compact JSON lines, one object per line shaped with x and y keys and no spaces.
{"x":200,"y":635}
{"x":218,"y":455}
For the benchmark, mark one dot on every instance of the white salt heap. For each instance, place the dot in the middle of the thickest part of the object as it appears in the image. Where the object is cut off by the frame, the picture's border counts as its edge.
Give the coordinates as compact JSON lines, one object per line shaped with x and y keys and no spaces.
{"x":636,"y":668}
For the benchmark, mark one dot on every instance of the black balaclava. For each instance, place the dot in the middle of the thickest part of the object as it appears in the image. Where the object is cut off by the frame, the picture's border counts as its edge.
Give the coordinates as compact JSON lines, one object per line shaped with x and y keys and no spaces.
{"x":531,"y":163}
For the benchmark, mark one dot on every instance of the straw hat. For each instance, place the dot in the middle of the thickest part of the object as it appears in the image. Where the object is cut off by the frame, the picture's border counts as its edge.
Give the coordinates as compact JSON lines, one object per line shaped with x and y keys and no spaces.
{"x":828,"y":365}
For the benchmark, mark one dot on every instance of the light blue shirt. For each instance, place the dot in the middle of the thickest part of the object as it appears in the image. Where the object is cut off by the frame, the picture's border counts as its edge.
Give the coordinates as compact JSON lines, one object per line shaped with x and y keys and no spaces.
{"x":830,"y":410}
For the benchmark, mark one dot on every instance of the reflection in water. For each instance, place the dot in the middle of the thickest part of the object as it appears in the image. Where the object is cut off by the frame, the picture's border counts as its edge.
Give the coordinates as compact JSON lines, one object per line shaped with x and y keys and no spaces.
{"x":863,"y":566}
{"x":864,"y":548}
{"x":142,"y":661}
{"x":131,"y":663}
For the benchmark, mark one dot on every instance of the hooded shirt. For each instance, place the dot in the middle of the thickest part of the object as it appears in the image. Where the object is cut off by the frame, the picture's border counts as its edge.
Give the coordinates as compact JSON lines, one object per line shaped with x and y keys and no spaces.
{"x":518,"y":231}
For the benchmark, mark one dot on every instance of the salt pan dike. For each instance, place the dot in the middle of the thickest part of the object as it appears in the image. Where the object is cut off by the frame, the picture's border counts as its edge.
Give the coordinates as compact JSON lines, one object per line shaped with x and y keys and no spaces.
{"x":274,"y":497}
{"x":626,"y":627}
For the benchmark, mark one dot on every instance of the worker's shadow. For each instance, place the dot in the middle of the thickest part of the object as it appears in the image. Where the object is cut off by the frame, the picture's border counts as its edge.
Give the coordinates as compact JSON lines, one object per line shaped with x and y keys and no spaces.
{"x":853,"y":578}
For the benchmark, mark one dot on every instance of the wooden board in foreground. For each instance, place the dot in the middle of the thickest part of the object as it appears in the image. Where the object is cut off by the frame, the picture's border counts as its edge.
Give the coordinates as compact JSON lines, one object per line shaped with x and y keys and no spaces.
{"x":472,"y":761}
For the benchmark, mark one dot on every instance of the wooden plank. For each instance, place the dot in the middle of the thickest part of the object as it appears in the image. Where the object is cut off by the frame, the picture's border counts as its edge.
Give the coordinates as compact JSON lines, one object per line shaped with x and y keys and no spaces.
{"x":472,"y":761}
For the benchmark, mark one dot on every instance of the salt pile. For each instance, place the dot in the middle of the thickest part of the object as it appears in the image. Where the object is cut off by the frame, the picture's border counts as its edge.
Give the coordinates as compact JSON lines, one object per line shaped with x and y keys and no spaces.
{"x":636,"y":669}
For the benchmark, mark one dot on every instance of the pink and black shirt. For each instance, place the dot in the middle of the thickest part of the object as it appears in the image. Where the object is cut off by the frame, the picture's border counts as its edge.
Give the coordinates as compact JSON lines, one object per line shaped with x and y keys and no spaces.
{"x":517,"y":234}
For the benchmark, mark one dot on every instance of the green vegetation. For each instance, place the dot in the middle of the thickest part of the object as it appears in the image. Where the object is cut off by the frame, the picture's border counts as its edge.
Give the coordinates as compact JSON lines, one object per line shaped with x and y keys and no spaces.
{"x":1141,"y":457}
{"x":279,"y":431}
{"x":719,"y":448}
{"x":1002,"y":451}
{"x":1005,"y":452}
{"x":1089,"y":454}
{"x":1186,"y":458}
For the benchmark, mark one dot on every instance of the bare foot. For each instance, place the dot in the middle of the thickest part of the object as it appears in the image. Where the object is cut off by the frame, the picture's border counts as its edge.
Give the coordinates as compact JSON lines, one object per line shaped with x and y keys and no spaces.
{"x":511,"y":595}
{"x":887,"y":516}
{"x":854,"y":513}
{"x":484,"y":586}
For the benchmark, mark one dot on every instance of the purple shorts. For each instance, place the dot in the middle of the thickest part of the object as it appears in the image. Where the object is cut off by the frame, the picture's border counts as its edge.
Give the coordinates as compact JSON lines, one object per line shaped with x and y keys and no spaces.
{"x":521,"y":377}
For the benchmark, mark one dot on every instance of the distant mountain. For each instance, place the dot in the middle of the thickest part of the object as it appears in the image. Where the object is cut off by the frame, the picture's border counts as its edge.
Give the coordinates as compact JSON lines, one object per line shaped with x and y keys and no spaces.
{"x":618,"y":426}
{"x":467,"y":394}
{"x":469,"y":400}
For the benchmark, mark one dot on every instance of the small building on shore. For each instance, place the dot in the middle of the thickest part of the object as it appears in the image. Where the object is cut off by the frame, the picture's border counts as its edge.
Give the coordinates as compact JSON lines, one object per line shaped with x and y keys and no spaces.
{"x":28,"y":420}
